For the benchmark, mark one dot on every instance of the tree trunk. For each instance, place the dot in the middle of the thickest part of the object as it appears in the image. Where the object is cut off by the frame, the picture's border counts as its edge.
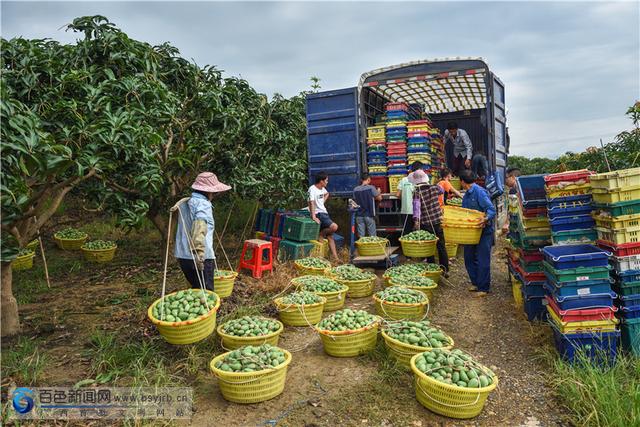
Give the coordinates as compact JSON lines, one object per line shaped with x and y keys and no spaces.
{"x":9,"y":321}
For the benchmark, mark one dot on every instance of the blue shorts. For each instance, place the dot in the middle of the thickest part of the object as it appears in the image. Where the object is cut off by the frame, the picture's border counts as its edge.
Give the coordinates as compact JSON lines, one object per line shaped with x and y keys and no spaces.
{"x":325,"y":220}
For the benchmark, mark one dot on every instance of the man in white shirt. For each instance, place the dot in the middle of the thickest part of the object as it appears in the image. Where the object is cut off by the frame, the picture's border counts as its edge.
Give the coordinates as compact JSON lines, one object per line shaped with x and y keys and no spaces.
{"x":462,"y":147}
{"x":318,"y":195}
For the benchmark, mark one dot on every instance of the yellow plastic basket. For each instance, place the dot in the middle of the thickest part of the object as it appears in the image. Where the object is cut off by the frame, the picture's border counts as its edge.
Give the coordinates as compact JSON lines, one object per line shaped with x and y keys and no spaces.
{"x":372,"y":248}
{"x":426,"y":290}
{"x":350,"y":343}
{"x":101,"y":255}
{"x":300,"y":315}
{"x":624,"y":178}
{"x":358,"y":288}
{"x":33,"y":245}
{"x":619,"y":236}
{"x":335,"y":300}
{"x":516,"y":289}
{"x":403,"y":352}
{"x":232,"y":342}
{"x":568,"y":191}
{"x":456,"y":213}
{"x":418,"y":248}
{"x":396,"y":123}
{"x":622,"y":221}
{"x":223,"y":286}
{"x":450,"y":400}
{"x":433,"y":275}
{"x":455,"y":183}
{"x":320,"y":250}
{"x":452,"y":249}
{"x":251,"y":387}
{"x":186,"y":331}
{"x":394,"y":180}
{"x":309,"y":271}
{"x":462,"y":235}
{"x":616,"y":195}
{"x":24,"y":262}
{"x":537,"y":222}
{"x":401,"y":311}
{"x":70,"y":244}
{"x":582,"y":327}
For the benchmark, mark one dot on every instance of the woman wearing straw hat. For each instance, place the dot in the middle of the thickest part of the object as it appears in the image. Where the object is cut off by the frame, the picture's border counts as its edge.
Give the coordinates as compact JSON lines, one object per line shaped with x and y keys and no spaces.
{"x":194,"y":238}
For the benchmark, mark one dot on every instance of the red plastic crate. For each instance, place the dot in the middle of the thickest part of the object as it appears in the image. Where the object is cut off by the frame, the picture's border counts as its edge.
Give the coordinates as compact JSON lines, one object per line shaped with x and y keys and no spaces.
{"x":418,"y":133}
{"x":396,"y":106}
{"x":381,"y":182}
{"x":531,"y":256}
{"x":585,"y":315}
{"x":376,"y":142}
{"x":275,"y":244}
{"x":418,"y":122}
{"x":570,"y":176}
{"x":625,"y":249}
{"x":397,"y":152}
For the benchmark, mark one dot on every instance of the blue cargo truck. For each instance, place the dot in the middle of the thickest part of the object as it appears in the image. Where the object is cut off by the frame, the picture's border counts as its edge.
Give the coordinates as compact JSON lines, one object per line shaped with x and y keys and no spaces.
{"x":460,"y":90}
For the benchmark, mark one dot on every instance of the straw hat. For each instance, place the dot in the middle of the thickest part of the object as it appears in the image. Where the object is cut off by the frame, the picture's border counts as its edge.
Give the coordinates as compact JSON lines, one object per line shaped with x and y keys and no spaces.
{"x":208,"y":182}
{"x":419,"y":177}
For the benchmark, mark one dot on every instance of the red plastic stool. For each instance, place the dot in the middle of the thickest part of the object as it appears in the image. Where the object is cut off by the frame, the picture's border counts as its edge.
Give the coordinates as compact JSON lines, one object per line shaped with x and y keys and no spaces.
{"x":257,"y":263}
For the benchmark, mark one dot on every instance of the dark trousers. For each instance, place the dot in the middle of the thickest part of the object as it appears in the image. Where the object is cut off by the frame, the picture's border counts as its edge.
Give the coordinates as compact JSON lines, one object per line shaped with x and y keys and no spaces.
{"x":191,"y":273}
{"x":407,"y":223}
{"x":477,"y":260}
{"x":442,"y":249}
{"x":458,"y":165}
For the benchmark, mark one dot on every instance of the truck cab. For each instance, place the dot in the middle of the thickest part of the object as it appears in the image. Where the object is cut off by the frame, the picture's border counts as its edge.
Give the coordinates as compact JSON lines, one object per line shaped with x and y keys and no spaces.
{"x":462,"y":90}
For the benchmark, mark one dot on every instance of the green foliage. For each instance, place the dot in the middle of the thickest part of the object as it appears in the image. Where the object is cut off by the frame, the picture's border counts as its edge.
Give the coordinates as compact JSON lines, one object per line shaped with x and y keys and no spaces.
{"x":598,"y":396}
{"x":23,"y":362}
{"x":534,"y":166}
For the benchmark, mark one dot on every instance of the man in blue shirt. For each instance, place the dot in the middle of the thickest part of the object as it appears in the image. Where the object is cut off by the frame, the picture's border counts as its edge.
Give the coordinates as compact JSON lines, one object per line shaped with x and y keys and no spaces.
{"x":477,"y":258}
{"x":365,"y":195}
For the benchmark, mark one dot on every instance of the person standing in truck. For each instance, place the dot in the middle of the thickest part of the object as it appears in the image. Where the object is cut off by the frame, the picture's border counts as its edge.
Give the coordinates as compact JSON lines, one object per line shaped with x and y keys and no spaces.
{"x":462,"y":147}
{"x":318,"y":195}
{"x":366,"y":196}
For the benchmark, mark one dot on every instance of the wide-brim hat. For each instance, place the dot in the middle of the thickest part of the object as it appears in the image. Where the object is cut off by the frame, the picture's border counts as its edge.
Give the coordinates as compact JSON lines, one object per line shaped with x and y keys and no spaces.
{"x":419,"y":177}
{"x":209,"y":183}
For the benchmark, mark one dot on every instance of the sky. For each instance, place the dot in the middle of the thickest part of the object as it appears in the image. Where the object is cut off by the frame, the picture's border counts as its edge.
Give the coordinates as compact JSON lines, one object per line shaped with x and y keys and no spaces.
{"x":571,"y":69}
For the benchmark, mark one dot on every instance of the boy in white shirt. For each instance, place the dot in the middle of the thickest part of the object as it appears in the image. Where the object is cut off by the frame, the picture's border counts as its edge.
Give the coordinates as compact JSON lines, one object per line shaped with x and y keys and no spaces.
{"x":318,"y":195}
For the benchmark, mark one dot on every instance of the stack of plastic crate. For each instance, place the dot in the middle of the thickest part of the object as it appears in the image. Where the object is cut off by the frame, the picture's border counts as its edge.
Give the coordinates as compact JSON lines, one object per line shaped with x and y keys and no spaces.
{"x":396,"y":134}
{"x":529,"y":231}
{"x":297,"y":235}
{"x":437,"y":150}
{"x":617,"y":202}
{"x":419,"y":141}
{"x":377,"y":151}
{"x":580,"y":305}
{"x":569,"y":207}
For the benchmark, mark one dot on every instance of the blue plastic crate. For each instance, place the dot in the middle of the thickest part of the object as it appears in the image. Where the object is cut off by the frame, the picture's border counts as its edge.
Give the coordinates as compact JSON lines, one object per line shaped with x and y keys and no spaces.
{"x":632,"y":312}
{"x":419,"y":139}
{"x":586,"y":287}
{"x":532,"y":289}
{"x":569,"y":201}
{"x":569,"y":223}
{"x":630,"y":300}
{"x":599,"y":347}
{"x":574,"y":256}
{"x":257,"y":224}
{"x":584,"y":301}
{"x":556,"y":212}
{"x":534,"y":307}
{"x":627,"y":276}
{"x":532,"y":191}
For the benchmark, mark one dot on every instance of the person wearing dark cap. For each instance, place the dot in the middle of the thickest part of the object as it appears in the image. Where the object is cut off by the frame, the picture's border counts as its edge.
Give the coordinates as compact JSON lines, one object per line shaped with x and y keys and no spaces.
{"x":477,"y":258}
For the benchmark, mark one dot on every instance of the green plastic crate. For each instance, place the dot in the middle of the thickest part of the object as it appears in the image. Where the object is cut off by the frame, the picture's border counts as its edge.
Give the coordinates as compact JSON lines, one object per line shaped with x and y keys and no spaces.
{"x":626,"y":289}
{"x":300,"y":229}
{"x":630,"y":331}
{"x":530,"y":267}
{"x":290,"y":250}
{"x":586,"y":236}
{"x":577,"y":274}
{"x":631,"y":207}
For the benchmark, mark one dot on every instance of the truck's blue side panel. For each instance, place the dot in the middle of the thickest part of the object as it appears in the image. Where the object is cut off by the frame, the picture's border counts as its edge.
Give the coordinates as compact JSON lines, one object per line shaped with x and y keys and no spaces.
{"x":333,"y":139}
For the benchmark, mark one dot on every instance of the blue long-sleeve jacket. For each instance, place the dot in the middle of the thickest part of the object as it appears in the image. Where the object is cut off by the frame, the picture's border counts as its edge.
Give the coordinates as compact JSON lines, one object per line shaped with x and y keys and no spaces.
{"x":477,"y":198}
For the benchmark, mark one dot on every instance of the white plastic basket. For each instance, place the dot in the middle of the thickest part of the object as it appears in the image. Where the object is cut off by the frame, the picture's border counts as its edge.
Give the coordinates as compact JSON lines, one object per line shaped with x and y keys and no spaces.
{"x":624,"y":263}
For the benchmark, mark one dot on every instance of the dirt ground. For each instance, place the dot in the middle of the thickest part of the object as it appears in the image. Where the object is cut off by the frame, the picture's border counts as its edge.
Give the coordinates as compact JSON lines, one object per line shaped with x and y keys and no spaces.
{"x":320,"y":390}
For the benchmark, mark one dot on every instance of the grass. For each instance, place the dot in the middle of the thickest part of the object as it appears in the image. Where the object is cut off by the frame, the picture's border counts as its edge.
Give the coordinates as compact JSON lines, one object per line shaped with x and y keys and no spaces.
{"x":596,"y":396}
{"x":389,"y":371}
{"x":23,"y":362}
